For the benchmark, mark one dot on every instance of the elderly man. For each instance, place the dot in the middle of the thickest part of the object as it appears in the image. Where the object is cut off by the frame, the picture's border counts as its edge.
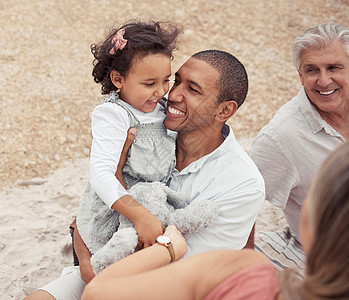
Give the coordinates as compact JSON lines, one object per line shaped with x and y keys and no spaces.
{"x":210,"y":164}
{"x":304,"y":131}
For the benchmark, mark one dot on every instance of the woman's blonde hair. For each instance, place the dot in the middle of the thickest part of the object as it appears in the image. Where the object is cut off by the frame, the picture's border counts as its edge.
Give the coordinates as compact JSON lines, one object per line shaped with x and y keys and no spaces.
{"x":327,"y":274}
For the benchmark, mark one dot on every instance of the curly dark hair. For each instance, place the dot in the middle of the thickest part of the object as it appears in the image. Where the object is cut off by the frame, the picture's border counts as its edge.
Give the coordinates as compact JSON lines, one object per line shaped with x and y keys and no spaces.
{"x":233,"y":80}
{"x":143,"y":38}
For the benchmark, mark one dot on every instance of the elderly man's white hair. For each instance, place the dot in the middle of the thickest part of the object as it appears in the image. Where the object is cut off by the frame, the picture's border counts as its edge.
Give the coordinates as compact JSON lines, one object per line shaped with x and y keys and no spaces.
{"x":319,"y":36}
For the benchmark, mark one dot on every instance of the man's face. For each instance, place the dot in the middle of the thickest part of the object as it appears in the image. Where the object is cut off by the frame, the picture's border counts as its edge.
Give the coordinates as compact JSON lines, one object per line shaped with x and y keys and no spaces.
{"x":192,"y":101}
{"x":324,"y":73}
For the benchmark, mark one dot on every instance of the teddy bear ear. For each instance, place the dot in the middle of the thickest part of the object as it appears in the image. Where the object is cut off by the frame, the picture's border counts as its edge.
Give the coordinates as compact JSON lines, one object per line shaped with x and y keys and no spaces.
{"x":176,"y":199}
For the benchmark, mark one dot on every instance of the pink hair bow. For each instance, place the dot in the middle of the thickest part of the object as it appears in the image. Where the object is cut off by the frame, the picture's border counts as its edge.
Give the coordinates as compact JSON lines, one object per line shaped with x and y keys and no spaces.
{"x":118,"y":41}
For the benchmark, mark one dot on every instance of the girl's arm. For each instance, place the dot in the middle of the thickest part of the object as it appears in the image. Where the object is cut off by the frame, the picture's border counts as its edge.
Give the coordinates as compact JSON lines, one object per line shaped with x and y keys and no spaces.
{"x":146,"y":274}
{"x":109,"y":131}
{"x":148,"y":226}
{"x":81,"y":250}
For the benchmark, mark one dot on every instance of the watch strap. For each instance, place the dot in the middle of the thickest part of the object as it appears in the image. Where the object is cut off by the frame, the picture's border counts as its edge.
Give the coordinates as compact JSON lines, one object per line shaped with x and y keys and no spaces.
{"x":171,"y":250}
{"x":168,"y":245}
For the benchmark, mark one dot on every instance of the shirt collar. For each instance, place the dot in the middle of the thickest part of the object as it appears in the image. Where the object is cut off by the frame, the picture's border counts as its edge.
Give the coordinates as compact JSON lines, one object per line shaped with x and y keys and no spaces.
{"x":312,"y":115}
{"x":229,"y":139}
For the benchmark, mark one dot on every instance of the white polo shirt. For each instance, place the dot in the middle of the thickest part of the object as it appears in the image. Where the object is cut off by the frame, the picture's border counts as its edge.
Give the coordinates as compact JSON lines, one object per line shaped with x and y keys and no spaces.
{"x":229,"y":177}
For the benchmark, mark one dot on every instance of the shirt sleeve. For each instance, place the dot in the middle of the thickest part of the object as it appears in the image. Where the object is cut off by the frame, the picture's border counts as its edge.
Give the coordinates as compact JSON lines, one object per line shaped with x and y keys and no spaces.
{"x":110,"y":124}
{"x":239,"y":198}
{"x":273,"y":162}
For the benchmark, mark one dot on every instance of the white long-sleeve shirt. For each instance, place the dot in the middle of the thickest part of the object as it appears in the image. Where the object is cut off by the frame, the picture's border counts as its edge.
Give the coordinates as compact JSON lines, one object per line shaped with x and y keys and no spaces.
{"x":110,"y":123}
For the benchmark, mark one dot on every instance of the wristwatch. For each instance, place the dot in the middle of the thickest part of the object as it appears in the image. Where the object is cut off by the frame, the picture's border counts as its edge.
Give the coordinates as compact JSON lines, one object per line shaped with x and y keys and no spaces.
{"x":166,"y":241}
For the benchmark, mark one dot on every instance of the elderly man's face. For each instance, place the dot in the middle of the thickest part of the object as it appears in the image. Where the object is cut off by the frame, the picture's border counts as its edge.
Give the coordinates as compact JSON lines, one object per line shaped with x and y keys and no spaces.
{"x":192,"y":101}
{"x":324,"y":73}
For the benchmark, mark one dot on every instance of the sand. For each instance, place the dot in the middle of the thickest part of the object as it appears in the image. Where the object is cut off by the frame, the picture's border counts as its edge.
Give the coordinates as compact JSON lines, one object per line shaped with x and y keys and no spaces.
{"x":47,"y":95}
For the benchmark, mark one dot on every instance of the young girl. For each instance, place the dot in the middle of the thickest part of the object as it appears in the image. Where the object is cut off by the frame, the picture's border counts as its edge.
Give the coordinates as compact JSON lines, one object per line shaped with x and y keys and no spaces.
{"x":133,"y":66}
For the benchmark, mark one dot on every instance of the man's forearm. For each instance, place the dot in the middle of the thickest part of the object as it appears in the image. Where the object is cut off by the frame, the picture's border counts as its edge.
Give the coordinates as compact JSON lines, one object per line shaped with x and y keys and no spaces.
{"x":250,"y":241}
{"x":83,"y":255}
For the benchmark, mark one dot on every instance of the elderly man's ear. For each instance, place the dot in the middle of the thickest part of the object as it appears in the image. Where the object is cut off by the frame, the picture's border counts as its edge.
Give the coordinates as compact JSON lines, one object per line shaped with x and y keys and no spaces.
{"x":226,"y":110}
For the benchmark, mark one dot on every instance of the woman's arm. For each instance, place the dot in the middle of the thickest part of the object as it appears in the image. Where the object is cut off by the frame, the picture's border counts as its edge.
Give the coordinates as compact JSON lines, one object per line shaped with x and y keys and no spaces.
{"x":156,"y":256}
{"x":146,"y":274}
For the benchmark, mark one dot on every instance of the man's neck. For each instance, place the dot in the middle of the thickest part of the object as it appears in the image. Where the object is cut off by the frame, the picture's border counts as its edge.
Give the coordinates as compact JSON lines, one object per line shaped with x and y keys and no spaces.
{"x":339,"y":121}
{"x":194,"y":145}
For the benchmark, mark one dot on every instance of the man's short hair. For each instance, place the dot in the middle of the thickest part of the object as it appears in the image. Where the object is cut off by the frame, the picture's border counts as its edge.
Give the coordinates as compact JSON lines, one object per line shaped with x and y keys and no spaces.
{"x":233,"y":81}
{"x":319,"y":36}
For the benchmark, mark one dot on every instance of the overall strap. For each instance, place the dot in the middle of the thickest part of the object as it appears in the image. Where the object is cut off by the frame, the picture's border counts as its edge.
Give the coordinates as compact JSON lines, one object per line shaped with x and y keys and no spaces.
{"x":114,"y":98}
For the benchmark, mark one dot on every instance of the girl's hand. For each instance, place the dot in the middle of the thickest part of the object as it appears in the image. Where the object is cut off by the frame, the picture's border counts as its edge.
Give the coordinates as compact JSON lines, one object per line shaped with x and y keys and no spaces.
{"x":148,"y":228}
{"x":177,"y":240}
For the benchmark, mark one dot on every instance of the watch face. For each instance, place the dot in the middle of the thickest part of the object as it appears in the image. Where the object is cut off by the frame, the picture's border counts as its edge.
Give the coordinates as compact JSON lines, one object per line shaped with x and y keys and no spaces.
{"x":163,"y":239}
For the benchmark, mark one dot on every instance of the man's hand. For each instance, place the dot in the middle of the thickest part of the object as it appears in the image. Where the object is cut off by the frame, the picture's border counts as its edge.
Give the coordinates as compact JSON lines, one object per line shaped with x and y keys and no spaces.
{"x":131,"y":134}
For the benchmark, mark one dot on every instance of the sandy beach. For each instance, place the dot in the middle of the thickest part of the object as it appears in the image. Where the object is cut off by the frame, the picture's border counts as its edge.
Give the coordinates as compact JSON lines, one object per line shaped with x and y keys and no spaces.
{"x":47,"y":95}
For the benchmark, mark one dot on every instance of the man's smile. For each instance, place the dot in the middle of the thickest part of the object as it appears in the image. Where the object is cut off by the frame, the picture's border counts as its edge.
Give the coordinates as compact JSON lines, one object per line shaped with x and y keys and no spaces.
{"x":327,"y":93}
{"x":175,"y":111}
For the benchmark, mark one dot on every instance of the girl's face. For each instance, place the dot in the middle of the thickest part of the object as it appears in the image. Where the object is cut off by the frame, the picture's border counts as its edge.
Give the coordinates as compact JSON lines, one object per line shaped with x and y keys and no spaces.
{"x":146,"y":83}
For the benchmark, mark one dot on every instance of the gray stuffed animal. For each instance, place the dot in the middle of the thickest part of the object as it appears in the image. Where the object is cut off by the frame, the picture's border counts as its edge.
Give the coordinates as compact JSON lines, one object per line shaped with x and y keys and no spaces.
{"x":168,"y":206}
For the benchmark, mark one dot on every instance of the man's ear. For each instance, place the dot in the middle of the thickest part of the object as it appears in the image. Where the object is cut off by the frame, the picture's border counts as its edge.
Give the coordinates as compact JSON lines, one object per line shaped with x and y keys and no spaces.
{"x":226,"y":110}
{"x":301,"y":77}
{"x":117,"y":79}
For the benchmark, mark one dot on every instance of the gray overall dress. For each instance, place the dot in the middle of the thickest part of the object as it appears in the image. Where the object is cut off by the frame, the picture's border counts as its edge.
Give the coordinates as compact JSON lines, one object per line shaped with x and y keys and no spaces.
{"x":150,"y":158}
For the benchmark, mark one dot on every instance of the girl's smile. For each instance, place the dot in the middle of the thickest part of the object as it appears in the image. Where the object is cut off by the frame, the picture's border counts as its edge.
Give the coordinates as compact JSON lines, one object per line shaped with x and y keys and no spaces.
{"x":146,"y":83}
